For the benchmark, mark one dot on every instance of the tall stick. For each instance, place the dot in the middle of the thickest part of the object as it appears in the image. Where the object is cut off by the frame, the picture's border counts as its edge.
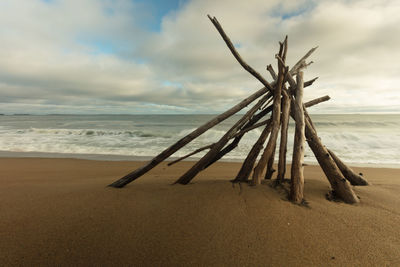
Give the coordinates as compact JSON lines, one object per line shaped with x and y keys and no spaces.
{"x":284,"y":136}
{"x":297,"y":176}
{"x":268,"y":154}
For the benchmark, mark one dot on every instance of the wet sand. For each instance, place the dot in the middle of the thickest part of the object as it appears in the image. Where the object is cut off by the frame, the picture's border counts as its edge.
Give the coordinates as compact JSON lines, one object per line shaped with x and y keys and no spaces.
{"x":59,"y":212}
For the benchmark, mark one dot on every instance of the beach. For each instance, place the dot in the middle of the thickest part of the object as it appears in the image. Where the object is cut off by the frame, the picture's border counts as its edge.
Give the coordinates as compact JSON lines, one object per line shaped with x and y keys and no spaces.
{"x":59,"y":212}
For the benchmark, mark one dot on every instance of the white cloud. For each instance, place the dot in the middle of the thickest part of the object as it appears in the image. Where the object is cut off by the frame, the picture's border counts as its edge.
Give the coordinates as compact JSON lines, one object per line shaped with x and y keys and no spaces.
{"x":97,"y":54}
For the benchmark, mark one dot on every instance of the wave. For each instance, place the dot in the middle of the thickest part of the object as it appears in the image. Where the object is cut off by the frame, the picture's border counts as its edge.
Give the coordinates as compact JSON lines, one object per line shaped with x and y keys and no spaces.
{"x":92,"y":132}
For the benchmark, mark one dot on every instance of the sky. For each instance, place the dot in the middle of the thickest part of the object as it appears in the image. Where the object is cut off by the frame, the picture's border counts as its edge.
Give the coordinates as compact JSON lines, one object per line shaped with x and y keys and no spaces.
{"x":166,"y":57}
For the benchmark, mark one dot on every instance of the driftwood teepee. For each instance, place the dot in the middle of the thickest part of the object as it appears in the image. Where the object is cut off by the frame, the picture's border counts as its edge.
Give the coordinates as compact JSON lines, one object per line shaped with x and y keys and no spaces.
{"x":286,"y":95}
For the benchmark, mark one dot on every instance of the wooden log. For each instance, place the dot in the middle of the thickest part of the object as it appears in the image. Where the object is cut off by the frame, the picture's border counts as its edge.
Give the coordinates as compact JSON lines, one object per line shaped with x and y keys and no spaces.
{"x":251,"y":158}
{"x":203,"y":162}
{"x":231,"y":47}
{"x":341,"y":188}
{"x":187,"y":139}
{"x":347,"y":172}
{"x":284,"y":136}
{"x":297,"y":177}
{"x":281,"y":65}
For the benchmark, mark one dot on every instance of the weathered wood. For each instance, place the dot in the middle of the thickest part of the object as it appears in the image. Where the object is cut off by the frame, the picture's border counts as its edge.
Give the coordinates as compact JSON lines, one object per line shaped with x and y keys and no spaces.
{"x":237,"y":55}
{"x":300,"y":63}
{"x":240,"y":133}
{"x":317,"y":101}
{"x":203,"y":162}
{"x":281,"y":65}
{"x":234,"y":143}
{"x":251,"y":158}
{"x":187,"y":139}
{"x":341,"y":188}
{"x":297,"y":177}
{"x":248,"y":127}
{"x":306,"y":84}
{"x":272,"y":72}
{"x":347,"y":172}
{"x":270,"y":148}
{"x":284,"y":136}
{"x":310,"y":82}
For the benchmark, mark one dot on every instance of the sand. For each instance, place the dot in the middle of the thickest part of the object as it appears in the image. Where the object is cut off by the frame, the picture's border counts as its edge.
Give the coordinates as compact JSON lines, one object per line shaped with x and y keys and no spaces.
{"x":58,"y":212}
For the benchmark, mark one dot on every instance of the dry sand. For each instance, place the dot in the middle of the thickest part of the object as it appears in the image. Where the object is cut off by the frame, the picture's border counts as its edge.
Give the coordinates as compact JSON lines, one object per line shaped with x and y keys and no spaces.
{"x":58,"y":212}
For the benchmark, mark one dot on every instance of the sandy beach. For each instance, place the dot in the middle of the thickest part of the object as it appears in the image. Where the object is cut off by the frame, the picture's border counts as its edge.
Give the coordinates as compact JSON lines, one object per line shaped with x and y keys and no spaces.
{"x":59,"y":212}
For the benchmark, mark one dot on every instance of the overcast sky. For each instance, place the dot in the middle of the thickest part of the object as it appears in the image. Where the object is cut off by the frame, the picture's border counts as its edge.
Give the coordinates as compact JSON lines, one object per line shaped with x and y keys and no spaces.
{"x":127,"y":56}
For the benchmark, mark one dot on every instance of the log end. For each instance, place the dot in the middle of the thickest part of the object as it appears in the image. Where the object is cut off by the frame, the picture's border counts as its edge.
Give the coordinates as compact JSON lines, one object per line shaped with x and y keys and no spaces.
{"x":117,"y":184}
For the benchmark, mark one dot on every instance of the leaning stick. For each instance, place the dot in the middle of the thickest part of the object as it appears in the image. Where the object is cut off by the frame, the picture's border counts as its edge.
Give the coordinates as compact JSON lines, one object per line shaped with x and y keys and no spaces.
{"x":248,"y":128}
{"x":272,"y":72}
{"x":190,"y":154}
{"x":347,"y":172}
{"x":317,"y":101}
{"x":251,"y":158}
{"x":284,"y":136}
{"x":237,"y":55}
{"x":202,"y":163}
{"x":240,"y":133}
{"x":297,"y":175}
{"x":185,"y":140}
{"x":340,"y":186}
{"x":306,"y":84}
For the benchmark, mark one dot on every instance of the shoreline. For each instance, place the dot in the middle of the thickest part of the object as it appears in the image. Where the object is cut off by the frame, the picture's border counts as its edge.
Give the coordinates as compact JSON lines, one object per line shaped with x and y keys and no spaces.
{"x":111,"y":157}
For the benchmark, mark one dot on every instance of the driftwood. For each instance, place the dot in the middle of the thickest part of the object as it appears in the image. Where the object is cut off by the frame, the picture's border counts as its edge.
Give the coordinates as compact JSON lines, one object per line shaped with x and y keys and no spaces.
{"x":191,"y":154}
{"x":268,"y":154}
{"x":341,"y":188}
{"x":251,"y":158}
{"x":187,"y":139}
{"x":300,"y":63}
{"x":347,"y":172}
{"x":284,"y":103}
{"x":251,"y":125}
{"x":202,"y":163}
{"x":237,"y":55}
{"x":237,"y":135}
{"x":297,"y":176}
{"x":284,"y":136}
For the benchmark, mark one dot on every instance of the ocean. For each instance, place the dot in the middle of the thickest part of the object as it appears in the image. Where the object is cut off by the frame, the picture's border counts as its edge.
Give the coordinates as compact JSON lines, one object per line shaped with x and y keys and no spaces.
{"x":357,"y":139}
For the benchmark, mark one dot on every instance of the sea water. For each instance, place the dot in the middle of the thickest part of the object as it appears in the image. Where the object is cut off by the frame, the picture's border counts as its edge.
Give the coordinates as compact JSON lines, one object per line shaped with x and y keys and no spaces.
{"x":357,"y":139}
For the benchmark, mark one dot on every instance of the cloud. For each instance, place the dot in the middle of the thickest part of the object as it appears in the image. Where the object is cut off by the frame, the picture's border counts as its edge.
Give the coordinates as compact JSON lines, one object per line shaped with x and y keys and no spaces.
{"x":99,"y":56}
